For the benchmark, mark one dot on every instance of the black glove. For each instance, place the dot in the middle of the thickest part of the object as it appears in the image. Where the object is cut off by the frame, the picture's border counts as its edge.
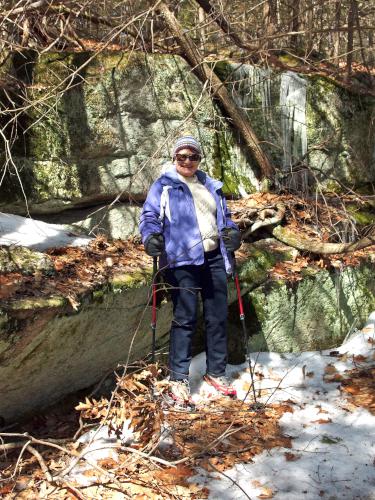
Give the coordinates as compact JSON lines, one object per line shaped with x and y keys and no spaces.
{"x":231,"y":238}
{"x":154,"y":245}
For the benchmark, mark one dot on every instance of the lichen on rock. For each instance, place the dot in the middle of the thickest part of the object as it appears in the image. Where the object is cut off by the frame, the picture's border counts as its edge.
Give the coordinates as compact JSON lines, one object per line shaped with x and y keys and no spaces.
{"x":24,"y":261}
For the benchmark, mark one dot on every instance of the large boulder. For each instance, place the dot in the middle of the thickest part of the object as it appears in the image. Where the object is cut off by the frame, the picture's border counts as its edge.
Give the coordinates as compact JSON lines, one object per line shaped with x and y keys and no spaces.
{"x":110,"y":130}
{"x":48,"y":350}
{"x":315,"y":311}
{"x":104,"y":133}
{"x":51,"y":346}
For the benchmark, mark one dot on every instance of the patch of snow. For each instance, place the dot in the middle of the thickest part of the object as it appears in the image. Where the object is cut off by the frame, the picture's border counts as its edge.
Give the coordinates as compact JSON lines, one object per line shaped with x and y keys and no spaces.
{"x":99,"y":444}
{"x":35,"y":234}
{"x":334,"y":443}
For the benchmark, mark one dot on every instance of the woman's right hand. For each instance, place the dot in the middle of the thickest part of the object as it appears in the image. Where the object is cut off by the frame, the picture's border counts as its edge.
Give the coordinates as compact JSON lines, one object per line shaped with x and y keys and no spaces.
{"x":154,"y":245}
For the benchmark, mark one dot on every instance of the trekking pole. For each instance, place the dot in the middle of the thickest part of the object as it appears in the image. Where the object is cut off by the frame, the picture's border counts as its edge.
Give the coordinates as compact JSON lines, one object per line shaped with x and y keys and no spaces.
{"x":244,"y":330}
{"x":153,"y":316}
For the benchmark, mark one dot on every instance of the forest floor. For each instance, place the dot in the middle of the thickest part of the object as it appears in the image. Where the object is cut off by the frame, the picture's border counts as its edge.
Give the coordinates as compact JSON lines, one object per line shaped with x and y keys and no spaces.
{"x":312,"y":437}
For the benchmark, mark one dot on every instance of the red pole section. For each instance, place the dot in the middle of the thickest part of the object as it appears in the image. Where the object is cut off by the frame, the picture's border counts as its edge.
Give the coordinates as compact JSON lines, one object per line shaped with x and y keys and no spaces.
{"x":240,"y":304}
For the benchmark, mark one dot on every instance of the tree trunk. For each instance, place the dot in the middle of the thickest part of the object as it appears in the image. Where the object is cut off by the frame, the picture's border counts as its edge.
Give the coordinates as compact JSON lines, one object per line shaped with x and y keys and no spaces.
{"x":308,"y":26}
{"x":218,"y":91}
{"x":294,"y":39}
{"x":349,"y":49}
{"x":270,"y":21}
{"x":224,"y":24}
{"x":336,"y":33}
{"x":359,"y":31}
{"x":202,"y":29}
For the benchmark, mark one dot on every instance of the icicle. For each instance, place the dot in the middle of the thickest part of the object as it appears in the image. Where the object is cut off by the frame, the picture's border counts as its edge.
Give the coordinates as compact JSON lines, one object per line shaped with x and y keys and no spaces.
{"x":251,"y":82}
{"x":293,"y":117}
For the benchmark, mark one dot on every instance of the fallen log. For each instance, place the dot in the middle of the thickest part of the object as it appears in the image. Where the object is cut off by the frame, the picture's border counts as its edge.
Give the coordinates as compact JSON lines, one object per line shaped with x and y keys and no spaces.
{"x":292,"y":239}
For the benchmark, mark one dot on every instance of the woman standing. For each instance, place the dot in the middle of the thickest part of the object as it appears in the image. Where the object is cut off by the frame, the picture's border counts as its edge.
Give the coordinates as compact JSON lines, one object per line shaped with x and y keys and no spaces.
{"x":185,"y":221}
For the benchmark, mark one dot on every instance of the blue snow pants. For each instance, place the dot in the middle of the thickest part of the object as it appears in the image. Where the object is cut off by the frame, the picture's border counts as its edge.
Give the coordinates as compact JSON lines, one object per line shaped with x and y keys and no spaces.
{"x":210,"y":280}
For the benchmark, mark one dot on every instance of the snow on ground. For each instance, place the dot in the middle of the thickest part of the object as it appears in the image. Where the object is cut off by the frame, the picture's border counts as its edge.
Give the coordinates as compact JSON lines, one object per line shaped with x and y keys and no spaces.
{"x":333,"y":454}
{"x":333,"y":442}
{"x":35,"y":234}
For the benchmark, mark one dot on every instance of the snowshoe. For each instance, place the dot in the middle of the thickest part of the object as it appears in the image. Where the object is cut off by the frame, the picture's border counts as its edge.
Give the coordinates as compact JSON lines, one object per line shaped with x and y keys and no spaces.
{"x":221,"y":384}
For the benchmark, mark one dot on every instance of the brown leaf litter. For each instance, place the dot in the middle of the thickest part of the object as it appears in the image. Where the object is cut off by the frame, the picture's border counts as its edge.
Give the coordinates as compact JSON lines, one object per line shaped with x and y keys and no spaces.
{"x":357,"y":384}
{"x":216,"y":437}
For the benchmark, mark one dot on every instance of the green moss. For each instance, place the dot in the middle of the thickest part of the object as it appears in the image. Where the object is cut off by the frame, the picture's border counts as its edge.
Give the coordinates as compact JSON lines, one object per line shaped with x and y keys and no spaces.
{"x":229,"y":167}
{"x":362,"y":217}
{"x":222,"y":69}
{"x":24,"y":260}
{"x":124,"y":281}
{"x":255,"y":270}
{"x":290,"y":60}
{"x":259,"y":303}
{"x":333,"y":186}
{"x":98,"y":295}
{"x":37,"y":303}
{"x":309,"y":271}
{"x":322,"y":85}
{"x":56,"y":180}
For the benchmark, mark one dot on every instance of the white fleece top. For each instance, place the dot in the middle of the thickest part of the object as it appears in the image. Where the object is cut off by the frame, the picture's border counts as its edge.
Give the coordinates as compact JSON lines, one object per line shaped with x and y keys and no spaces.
{"x":205,"y":208}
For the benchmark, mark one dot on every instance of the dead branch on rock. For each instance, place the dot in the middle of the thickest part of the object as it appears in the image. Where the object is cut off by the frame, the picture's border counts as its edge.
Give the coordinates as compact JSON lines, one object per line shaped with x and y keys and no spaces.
{"x":291,"y":238}
{"x":262,"y":218}
{"x":298,"y":223}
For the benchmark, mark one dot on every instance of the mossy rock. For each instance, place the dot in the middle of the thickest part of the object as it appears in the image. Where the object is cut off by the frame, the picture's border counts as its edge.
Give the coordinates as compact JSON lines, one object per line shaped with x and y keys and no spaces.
{"x":106,"y":134}
{"x":315,"y":313}
{"x":24,"y":261}
{"x":343,"y":123}
{"x":261,"y":256}
{"x":362,"y":216}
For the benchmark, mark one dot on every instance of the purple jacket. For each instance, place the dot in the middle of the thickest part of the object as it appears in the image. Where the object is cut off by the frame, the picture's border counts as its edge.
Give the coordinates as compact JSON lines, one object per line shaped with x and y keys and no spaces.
{"x":169,"y":209}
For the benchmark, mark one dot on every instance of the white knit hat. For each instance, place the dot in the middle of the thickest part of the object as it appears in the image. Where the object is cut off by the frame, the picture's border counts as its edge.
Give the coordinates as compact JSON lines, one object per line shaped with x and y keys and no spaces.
{"x":186,"y":141}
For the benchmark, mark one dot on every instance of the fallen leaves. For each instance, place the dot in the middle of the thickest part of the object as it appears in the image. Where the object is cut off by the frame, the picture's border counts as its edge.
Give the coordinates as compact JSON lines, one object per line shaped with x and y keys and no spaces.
{"x":131,"y":406}
{"x":291,"y":457}
{"x":266,"y":493}
{"x":322,"y":421}
{"x":77,"y":270}
{"x":215,"y":438}
{"x":331,"y":374}
{"x":359,"y":386}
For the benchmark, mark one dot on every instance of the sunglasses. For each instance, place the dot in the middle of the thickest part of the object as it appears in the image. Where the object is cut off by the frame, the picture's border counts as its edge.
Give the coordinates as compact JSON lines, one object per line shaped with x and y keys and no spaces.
{"x":194,"y":157}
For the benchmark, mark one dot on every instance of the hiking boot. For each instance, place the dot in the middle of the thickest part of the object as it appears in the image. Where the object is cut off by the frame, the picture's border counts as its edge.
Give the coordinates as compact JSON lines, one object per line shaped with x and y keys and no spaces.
{"x":221,"y":384}
{"x":179,"y":392}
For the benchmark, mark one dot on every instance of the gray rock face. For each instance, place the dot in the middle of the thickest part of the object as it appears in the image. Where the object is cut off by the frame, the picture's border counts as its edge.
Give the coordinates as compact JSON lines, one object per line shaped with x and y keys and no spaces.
{"x":110,"y":134}
{"x":316,"y":313}
{"x":59,"y":352}
{"x":117,"y":221}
